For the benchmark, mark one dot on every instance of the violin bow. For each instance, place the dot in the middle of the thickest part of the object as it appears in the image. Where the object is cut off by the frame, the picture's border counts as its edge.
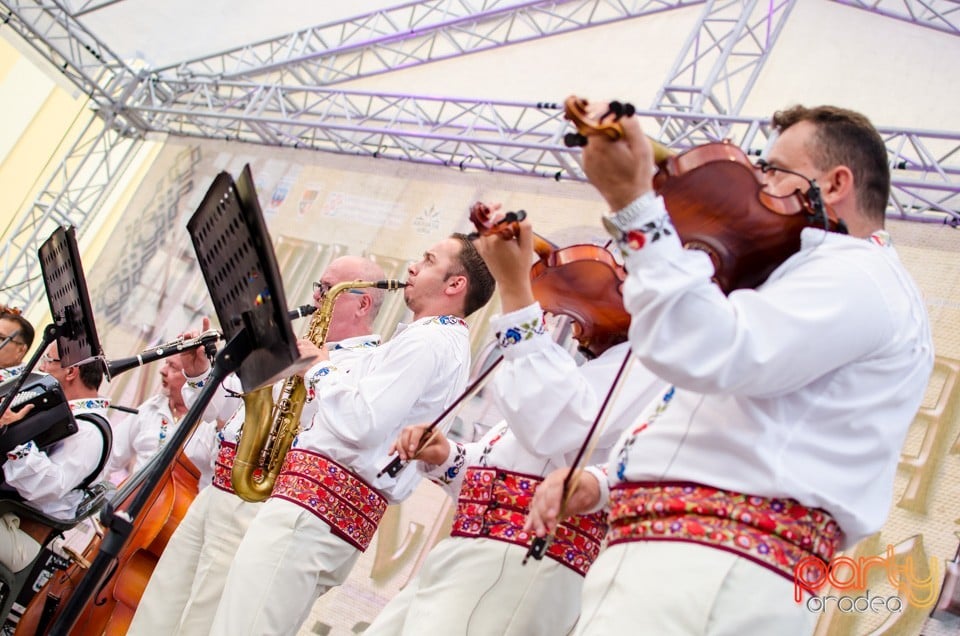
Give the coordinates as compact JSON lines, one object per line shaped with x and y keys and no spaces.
{"x":396,"y":464}
{"x":539,"y":545}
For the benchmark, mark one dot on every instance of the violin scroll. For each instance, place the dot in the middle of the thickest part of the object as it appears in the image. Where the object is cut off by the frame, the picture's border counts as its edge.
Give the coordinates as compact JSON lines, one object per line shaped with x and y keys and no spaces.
{"x":609,"y":124}
{"x":575,"y":109}
{"x":505,"y":226}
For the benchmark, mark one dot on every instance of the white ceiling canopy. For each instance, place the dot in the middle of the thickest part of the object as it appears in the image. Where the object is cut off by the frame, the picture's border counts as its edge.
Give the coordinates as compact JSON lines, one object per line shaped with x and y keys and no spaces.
{"x":473,"y":84}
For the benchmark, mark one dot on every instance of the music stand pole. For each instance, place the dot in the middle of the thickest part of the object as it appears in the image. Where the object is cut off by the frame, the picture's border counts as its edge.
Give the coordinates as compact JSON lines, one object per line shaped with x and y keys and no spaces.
{"x":119,"y":523}
{"x":240,"y":269}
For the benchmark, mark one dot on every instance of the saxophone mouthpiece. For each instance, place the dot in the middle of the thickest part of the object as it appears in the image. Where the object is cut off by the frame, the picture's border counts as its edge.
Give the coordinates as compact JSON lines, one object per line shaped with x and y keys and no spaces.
{"x":301,"y":311}
{"x":389,"y":284}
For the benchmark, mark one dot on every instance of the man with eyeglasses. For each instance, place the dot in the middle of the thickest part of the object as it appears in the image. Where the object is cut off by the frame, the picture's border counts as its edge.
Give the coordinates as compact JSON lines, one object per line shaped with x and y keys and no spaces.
{"x":185,"y":587}
{"x":779,"y":442}
{"x":308,"y":535}
{"x":52,"y":479}
{"x":16,"y":338}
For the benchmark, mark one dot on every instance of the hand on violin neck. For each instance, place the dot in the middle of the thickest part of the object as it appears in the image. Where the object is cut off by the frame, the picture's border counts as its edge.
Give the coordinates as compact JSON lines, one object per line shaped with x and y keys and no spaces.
{"x":620,"y":170}
{"x":509,"y":263}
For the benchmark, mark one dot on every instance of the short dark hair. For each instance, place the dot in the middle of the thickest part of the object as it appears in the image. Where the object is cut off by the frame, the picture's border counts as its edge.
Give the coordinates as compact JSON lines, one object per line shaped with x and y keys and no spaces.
{"x":91,"y":374}
{"x":846,"y":137}
{"x":480,"y":282}
{"x":27,"y":333}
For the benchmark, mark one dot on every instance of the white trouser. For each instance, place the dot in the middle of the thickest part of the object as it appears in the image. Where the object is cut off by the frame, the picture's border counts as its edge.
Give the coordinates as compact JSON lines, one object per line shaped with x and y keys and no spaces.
{"x":477,"y":587}
{"x":288,"y":558}
{"x":684,"y":589}
{"x":185,"y":588}
{"x":17,"y":548}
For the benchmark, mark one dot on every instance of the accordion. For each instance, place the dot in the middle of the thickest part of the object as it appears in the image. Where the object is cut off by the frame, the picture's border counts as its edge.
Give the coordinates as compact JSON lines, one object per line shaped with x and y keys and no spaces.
{"x":50,"y":420}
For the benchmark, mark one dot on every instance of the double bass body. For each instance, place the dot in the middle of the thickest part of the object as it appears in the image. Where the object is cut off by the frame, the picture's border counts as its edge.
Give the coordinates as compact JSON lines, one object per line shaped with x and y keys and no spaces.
{"x":112,"y":607}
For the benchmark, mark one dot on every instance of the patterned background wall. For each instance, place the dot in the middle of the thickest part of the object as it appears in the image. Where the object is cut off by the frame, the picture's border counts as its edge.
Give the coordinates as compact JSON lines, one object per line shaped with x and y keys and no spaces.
{"x":146,"y":288}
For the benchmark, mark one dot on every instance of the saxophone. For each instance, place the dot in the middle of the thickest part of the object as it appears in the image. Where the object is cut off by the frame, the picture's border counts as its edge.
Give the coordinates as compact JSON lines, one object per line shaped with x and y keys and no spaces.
{"x":269,"y":427}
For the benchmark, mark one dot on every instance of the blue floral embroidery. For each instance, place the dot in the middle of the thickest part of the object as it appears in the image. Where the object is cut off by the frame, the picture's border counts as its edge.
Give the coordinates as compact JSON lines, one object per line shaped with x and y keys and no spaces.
{"x":523,"y":331}
{"x":10,"y":372}
{"x":89,"y":404}
{"x":625,"y":449}
{"x":449,"y":320}
{"x":458,"y":461}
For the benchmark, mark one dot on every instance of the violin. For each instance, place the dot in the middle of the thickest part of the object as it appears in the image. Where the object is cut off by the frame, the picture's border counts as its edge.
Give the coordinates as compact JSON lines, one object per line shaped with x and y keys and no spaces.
{"x":111,"y":609}
{"x":717,"y":203}
{"x":580,"y":281}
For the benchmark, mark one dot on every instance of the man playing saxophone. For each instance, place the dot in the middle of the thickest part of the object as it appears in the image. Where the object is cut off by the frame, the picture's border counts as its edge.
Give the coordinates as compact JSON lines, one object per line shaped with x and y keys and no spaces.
{"x":186,"y":585}
{"x":305,"y":539}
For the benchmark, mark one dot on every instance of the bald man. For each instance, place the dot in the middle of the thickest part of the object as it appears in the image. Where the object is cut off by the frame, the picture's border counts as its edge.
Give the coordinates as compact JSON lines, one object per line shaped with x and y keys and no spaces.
{"x":186,"y":585}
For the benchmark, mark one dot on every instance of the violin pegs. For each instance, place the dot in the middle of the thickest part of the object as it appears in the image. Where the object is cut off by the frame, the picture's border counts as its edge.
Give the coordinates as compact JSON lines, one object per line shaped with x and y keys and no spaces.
{"x":574,"y":140}
{"x":629,"y":110}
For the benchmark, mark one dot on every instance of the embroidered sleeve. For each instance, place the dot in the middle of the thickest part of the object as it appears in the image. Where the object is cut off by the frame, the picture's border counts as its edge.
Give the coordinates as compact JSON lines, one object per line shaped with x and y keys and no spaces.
{"x":519,"y":331}
{"x":453,"y":468}
{"x":315,"y":377}
{"x":196,"y":382}
{"x":20,"y":451}
{"x":600,"y":473}
{"x":449,"y":474}
{"x":643,"y":221}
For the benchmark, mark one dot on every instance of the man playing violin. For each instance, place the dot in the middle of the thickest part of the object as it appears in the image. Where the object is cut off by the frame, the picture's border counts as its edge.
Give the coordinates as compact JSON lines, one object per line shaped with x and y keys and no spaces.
{"x":778,"y":442}
{"x":476,"y":582}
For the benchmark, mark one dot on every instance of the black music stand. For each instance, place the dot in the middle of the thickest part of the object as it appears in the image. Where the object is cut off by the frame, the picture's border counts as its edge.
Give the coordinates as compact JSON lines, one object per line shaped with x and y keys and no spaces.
{"x":241,"y":273}
{"x":73,"y":325}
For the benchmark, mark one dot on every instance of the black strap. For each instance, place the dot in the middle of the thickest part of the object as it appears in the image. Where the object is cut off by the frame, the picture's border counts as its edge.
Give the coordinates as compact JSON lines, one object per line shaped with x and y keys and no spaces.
{"x":104,"y":427}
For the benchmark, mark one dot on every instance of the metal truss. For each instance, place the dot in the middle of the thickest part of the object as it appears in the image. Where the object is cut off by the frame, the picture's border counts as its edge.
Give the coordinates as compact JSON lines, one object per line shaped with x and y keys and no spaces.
{"x":78,"y":8}
{"x":943,"y":15}
{"x":408,"y":35}
{"x":719,"y":63}
{"x":510,"y":137}
{"x":268,"y":94}
{"x":76,"y":189}
{"x":99,"y":73}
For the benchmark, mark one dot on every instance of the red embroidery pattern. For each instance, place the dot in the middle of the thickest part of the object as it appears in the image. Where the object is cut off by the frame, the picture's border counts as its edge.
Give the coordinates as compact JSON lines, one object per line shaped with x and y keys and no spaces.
{"x":224,"y":466}
{"x":775,"y":533}
{"x":493,"y":504}
{"x":351,"y":506}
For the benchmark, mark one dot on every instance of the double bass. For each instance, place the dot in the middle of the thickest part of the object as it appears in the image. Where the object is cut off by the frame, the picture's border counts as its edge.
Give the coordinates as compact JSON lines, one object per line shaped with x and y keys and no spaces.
{"x":111,"y":609}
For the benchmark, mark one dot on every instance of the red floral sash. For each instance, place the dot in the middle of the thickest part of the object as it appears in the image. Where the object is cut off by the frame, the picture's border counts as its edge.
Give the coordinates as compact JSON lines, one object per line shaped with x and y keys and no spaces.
{"x":223,"y":466}
{"x":775,"y":533}
{"x":493,"y":504}
{"x":350,"y":506}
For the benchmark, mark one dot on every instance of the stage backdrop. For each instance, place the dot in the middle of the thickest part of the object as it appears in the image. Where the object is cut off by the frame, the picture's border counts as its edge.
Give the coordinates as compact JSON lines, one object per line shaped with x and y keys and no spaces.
{"x":146,"y":288}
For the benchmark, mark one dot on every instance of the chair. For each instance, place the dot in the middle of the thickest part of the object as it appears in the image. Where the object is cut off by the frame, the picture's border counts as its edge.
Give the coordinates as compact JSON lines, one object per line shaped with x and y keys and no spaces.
{"x":94,"y":497}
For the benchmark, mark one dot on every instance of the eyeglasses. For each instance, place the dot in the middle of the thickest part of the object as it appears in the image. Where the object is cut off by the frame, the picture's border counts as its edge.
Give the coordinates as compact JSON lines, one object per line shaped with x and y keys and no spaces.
{"x":324,"y":289}
{"x":46,"y":359}
{"x":11,"y":340}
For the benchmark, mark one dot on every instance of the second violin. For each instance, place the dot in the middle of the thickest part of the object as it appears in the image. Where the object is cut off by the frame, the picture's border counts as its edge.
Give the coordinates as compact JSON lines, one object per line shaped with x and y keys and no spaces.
{"x":580,"y":281}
